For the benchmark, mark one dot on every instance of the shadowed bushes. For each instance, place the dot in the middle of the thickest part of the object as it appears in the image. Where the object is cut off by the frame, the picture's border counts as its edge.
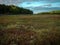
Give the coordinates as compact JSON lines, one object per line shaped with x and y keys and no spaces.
{"x":17,"y":36}
{"x":51,"y":12}
{"x":25,"y":36}
{"x":11,"y":9}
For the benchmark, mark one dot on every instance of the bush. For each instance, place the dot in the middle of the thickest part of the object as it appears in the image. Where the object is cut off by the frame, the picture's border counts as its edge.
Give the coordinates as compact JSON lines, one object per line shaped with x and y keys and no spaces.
{"x":11,"y":9}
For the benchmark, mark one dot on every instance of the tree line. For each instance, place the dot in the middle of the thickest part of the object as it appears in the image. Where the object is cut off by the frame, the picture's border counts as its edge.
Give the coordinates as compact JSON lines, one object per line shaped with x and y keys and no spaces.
{"x":11,"y":9}
{"x":51,"y":12}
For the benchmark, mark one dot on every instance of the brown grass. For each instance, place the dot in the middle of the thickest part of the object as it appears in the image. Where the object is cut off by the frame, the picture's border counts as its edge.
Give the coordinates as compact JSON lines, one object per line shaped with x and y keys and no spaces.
{"x":30,"y":30}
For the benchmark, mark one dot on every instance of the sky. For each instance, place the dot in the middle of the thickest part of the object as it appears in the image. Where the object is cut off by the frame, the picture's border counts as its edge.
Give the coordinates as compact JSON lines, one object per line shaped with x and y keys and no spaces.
{"x":35,"y":5}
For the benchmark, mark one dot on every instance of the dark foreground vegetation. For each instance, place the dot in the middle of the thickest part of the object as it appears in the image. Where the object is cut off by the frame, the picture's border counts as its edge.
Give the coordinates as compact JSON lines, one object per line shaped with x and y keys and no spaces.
{"x":30,"y":30}
{"x":11,"y":9}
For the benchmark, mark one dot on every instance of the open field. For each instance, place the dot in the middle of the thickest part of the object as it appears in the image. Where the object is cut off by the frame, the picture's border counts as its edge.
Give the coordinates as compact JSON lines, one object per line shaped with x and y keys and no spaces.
{"x":30,"y":30}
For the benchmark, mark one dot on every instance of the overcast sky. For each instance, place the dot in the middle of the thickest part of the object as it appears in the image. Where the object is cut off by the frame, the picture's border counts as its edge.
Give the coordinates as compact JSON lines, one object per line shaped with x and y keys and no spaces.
{"x":35,"y":5}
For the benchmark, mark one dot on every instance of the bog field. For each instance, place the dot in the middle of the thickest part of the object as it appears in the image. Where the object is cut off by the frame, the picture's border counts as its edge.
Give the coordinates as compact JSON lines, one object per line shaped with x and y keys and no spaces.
{"x":30,"y":30}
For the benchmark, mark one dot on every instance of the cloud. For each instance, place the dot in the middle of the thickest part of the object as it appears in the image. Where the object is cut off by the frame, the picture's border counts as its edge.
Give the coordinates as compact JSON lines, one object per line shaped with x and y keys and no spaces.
{"x":48,"y":5}
{"x":10,"y":2}
{"x":44,"y":9}
{"x":35,"y":5}
{"x":20,"y":1}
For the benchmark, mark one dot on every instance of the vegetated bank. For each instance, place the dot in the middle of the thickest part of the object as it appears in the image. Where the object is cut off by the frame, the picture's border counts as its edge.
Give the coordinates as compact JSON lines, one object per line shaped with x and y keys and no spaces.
{"x":11,"y":9}
{"x":54,"y":12}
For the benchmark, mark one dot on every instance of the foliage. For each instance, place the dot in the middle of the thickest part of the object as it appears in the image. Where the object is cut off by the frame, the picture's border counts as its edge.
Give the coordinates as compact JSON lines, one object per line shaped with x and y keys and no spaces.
{"x":11,"y":9}
{"x":51,"y":12}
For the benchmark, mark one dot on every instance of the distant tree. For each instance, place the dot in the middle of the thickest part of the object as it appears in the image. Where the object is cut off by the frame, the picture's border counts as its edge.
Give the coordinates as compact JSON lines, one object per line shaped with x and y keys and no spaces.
{"x":51,"y":12}
{"x":11,"y":9}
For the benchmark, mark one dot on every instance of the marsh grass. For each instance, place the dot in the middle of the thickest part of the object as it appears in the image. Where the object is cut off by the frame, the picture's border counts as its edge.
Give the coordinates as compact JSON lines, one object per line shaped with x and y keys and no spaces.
{"x":30,"y":30}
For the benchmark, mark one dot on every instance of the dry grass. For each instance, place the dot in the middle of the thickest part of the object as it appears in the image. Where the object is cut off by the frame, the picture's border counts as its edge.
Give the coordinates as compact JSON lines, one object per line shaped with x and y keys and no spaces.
{"x":30,"y":30}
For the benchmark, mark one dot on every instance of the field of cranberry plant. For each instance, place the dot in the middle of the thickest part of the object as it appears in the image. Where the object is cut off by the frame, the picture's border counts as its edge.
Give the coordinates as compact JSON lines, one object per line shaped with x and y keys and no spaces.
{"x":30,"y":30}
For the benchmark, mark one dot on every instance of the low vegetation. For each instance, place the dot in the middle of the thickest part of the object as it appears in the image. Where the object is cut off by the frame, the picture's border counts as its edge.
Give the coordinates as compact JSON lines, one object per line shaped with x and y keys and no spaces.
{"x":30,"y":30}
{"x":51,"y":12}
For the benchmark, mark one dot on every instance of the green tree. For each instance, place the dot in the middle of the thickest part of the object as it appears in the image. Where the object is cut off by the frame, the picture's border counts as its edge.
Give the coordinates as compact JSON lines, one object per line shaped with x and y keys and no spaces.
{"x":11,"y":9}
